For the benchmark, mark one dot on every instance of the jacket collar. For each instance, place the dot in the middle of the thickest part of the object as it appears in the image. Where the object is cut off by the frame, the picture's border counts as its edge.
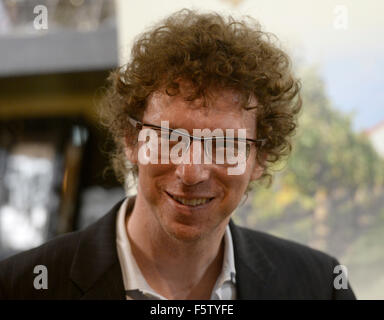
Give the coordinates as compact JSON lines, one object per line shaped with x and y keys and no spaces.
{"x":96,"y":268}
{"x":253,"y":268}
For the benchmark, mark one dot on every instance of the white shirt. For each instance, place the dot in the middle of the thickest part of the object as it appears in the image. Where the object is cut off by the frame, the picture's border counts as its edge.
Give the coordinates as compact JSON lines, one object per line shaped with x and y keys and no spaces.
{"x":136,"y":286}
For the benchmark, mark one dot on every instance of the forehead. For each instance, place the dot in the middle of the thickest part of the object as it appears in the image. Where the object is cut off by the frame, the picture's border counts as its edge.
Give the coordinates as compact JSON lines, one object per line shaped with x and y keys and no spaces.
{"x":222,"y":109}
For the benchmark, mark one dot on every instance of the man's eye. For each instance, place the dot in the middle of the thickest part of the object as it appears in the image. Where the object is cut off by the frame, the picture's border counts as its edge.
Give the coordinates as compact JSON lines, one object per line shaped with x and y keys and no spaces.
{"x":218,"y":144}
{"x":166,"y":138}
{"x":164,"y":134}
{"x":233,"y":147}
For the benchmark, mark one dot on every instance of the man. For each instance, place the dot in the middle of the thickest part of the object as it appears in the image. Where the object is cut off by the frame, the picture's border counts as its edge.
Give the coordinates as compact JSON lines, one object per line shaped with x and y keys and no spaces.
{"x":225,"y":90}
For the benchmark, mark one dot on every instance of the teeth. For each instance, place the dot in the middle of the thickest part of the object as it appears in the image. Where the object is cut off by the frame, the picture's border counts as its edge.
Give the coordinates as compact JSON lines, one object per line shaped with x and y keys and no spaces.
{"x":193,"y":202}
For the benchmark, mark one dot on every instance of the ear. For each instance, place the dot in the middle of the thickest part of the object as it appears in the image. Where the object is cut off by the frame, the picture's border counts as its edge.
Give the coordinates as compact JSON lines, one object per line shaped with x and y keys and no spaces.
{"x":258,"y":169}
{"x":130,"y":151}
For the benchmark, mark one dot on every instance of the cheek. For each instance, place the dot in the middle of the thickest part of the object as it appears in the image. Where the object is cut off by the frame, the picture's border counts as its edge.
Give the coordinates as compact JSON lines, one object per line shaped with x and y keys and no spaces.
{"x":151,"y":171}
{"x":234,"y":191}
{"x":152,"y":178}
{"x":236,"y":186}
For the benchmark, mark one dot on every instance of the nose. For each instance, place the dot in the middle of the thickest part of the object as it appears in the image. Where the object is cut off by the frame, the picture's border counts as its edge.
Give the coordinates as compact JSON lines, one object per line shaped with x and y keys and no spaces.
{"x":193,"y":173}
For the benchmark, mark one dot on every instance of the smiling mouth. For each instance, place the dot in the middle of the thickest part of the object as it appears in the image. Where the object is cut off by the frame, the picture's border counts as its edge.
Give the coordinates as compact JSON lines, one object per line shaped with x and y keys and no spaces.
{"x":191,"y":202}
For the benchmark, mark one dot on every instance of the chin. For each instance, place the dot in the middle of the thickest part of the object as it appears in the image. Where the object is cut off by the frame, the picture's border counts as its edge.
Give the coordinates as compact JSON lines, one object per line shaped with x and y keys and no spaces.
{"x":184,"y":233}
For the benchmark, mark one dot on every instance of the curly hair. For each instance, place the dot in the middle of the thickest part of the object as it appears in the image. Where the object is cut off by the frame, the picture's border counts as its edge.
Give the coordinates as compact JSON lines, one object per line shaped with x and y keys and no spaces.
{"x":210,"y":51}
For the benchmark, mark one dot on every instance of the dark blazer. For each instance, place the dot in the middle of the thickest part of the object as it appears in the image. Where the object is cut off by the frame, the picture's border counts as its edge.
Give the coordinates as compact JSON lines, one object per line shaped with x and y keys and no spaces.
{"x":84,"y":265}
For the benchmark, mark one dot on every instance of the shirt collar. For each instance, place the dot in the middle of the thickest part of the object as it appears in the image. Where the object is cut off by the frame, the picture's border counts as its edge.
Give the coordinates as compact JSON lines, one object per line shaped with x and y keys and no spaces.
{"x":133,"y":278}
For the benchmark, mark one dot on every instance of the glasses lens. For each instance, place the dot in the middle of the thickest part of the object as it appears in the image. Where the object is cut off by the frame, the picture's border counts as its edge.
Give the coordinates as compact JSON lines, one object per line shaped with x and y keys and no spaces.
{"x":226,"y":151}
{"x":218,"y":150}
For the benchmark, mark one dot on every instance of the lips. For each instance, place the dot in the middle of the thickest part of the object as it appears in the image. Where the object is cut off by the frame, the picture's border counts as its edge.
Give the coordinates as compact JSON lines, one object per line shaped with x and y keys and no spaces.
{"x":191,"y":201}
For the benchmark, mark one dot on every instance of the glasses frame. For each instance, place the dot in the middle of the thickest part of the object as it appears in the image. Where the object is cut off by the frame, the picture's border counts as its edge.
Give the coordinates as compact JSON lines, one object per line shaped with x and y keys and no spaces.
{"x":139,"y":125}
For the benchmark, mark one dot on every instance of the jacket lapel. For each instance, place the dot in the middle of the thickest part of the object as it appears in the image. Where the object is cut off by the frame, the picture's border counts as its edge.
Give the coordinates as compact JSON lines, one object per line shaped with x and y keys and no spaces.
{"x":96,"y":268}
{"x":254,"y":271}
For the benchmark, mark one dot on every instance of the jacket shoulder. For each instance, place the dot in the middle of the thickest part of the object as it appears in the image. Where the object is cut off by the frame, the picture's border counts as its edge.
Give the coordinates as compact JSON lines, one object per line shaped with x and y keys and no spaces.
{"x":298,"y":270}
{"x":18,"y":272}
{"x":282,"y":249}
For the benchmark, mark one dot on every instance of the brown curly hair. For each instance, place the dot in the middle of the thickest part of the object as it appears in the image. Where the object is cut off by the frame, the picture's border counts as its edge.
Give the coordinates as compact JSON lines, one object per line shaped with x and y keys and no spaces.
{"x":210,"y":51}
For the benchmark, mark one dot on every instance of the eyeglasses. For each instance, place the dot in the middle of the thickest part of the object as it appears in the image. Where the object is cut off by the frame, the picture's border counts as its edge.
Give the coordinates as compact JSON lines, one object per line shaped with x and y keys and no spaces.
{"x":216,"y":149}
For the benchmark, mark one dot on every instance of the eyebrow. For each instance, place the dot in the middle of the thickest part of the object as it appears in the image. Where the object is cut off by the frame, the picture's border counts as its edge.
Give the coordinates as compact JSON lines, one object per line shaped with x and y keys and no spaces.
{"x":172,"y":127}
{"x":140,"y":123}
{"x":203,"y":137}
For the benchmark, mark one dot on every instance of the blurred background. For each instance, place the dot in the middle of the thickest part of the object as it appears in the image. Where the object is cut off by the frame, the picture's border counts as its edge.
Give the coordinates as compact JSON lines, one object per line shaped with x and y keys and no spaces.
{"x":55,"y":56}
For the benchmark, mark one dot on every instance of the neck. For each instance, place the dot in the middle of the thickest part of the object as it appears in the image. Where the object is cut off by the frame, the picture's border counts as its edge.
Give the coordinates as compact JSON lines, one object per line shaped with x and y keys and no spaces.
{"x":174,"y":268}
